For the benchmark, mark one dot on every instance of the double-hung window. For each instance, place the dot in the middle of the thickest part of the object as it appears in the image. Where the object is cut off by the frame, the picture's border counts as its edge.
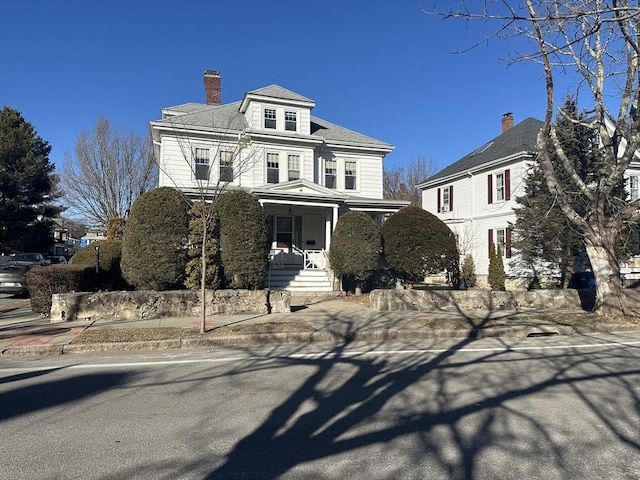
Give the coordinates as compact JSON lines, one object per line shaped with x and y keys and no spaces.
{"x":226,"y":166}
{"x":290,"y":121}
{"x":330,"y":171}
{"x":294,"y":166}
{"x":350,"y":175}
{"x":502,"y":239}
{"x":445,"y":199}
{"x":499,"y":186}
{"x":201,"y":160}
{"x":269,"y":118}
{"x":273,"y":167}
{"x":634,"y":187}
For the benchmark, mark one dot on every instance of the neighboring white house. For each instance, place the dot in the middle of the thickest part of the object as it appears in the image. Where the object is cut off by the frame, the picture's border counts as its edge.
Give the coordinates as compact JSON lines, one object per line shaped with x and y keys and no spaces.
{"x":476,"y":195}
{"x":305,"y":171}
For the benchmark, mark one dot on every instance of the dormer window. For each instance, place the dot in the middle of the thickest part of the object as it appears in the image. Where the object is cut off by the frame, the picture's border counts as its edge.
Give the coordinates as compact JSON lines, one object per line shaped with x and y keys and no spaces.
{"x":269,"y":118}
{"x":290,"y":121}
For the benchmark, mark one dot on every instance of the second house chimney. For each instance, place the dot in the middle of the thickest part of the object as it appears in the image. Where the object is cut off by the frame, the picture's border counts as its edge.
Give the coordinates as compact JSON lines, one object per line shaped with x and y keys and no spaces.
{"x":507,"y":121}
{"x":212,"y":86}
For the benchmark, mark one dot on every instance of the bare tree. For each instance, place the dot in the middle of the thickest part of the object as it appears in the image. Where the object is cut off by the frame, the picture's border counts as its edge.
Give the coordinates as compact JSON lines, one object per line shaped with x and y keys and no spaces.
{"x":599,"y":42}
{"x":232,"y":154}
{"x":399,"y":183}
{"x":110,"y":169}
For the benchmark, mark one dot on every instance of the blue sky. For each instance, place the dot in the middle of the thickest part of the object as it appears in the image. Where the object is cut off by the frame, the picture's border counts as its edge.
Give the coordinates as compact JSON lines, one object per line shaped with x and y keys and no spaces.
{"x":379,"y":67}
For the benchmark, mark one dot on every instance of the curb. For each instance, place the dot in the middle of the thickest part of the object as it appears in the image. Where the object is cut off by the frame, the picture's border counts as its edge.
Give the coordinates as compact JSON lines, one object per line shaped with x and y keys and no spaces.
{"x":518,"y":332}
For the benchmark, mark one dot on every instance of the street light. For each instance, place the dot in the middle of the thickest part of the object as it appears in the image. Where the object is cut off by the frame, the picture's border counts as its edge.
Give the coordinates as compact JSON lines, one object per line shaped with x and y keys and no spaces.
{"x":97,"y":257}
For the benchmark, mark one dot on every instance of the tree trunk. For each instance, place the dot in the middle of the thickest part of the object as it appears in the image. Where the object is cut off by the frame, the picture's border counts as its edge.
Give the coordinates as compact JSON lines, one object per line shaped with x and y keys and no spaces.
{"x":203,"y":277}
{"x":609,"y":295}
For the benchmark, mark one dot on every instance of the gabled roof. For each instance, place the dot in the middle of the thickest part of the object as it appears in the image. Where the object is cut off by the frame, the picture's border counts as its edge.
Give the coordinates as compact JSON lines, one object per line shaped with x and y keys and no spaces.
{"x":520,"y":139}
{"x":276,"y":91}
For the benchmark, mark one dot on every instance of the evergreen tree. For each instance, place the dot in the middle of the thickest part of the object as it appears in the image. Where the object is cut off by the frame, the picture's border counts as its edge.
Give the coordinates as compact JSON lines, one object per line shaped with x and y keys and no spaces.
{"x":468,"y":271}
{"x":542,"y":232}
{"x":27,"y":186}
{"x":496,"y":270}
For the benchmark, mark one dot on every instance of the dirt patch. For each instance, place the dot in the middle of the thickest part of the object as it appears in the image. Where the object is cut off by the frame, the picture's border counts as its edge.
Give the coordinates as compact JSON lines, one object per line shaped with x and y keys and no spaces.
{"x":117,"y":335}
{"x":359,"y":299}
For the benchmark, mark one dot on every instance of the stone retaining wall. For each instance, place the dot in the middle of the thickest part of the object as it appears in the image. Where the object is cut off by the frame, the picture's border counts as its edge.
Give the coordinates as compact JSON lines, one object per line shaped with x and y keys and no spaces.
{"x":466,"y":300}
{"x":141,"y":305}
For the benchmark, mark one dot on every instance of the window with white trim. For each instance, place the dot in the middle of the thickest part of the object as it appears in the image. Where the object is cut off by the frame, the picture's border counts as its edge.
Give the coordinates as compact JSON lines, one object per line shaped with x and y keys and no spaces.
{"x":350,"y":174}
{"x":634,"y":187}
{"x":330,"y":171}
{"x":201,"y":161}
{"x":269,"y":118}
{"x":499,"y":186}
{"x":273,"y":167}
{"x":226,"y":166}
{"x":445,"y":199}
{"x":293,"y":162}
{"x":501,"y":239}
{"x":290,"y":121}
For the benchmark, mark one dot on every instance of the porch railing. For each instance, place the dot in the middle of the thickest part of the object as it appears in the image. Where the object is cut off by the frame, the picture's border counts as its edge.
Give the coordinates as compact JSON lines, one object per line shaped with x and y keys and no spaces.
{"x":311,"y":259}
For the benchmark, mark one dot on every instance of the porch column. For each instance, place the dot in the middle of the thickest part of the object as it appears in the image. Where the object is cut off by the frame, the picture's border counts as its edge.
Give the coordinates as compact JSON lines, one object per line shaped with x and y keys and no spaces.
{"x":327,"y":229}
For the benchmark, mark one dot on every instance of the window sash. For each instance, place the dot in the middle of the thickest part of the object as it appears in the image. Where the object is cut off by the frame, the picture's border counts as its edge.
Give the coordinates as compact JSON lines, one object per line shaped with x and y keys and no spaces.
{"x":226,"y":166}
{"x":273,"y":168}
{"x":201,"y":160}
{"x":500,"y":186}
{"x":350,"y":175}
{"x":501,"y":241}
{"x":294,"y":166}
{"x":290,"y":121}
{"x":634,"y":189}
{"x":269,"y":118}
{"x":330,"y":170}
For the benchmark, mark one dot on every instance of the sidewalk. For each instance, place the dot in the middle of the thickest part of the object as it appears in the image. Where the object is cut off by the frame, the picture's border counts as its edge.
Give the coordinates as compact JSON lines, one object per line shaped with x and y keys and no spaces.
{"x":327,"y":319}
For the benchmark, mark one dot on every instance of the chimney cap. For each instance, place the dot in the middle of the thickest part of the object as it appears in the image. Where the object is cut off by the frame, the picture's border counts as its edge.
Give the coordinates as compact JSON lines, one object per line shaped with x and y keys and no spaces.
{"x":508,"y":114}
{"x":212,"y":73}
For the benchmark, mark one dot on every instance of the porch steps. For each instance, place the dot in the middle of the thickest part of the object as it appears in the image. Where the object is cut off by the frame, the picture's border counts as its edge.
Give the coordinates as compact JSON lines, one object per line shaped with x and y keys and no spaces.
{"x":299,"y":280}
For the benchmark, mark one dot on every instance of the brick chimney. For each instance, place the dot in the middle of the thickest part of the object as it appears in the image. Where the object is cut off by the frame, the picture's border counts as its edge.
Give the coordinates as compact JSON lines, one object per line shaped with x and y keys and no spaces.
{"x":212,"y":86}
{"x":507,"y":121}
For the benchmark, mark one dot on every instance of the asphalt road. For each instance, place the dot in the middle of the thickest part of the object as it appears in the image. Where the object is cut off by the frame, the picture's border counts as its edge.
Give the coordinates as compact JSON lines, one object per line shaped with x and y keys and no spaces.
{"x":538,"y":408}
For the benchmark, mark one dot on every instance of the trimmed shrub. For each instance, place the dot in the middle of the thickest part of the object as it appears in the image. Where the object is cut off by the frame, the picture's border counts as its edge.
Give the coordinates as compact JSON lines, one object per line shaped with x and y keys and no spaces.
{"x":355,"y":247}
{"x":244,"y":240}
{"x":496,"y":270}
{"x":469,"y":271}
{"x":417,"y":243}
{"x":45,"y":281}
{"x":109,"y":276}
{"x":194,"y":265}
{"x":154,"y":253}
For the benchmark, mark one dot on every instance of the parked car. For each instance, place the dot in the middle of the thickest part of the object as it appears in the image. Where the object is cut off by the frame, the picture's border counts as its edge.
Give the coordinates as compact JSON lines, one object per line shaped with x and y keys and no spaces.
{"x":56,"y":260}
{"x":25,"y":258}
{"x":13,"y":277}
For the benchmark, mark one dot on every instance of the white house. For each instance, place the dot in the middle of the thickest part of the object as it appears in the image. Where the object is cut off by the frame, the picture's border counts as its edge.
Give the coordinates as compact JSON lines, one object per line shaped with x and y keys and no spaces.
{"x":305,"y":171}
{"x":475,"y":196}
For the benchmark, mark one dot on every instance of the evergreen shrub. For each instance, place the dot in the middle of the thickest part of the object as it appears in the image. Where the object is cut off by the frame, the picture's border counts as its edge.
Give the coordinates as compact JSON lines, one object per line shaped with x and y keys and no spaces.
{"x":43,"y":282}
{"x":496,"y":270}
{"x":154,"y":246}
{"x":417,"y":243}
{"x":110,"y":254}
{"x":355,"y":247}
{"x":194,"y":264}
{"x":244,"y":240}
